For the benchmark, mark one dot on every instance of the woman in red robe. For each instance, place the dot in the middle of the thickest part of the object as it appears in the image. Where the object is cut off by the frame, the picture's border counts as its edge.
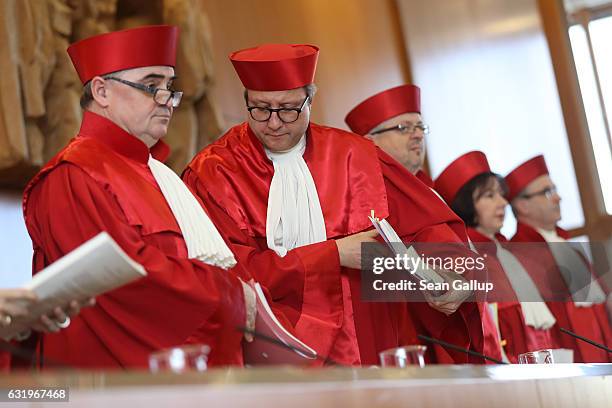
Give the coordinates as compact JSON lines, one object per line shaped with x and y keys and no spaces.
{"x":477,"y":195}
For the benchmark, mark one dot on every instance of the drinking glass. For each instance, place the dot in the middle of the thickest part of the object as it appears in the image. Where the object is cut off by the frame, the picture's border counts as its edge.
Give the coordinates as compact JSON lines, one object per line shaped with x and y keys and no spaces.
{"x":537,"y":357}
{"x":191,"y":358}
{"x":403,"y":356}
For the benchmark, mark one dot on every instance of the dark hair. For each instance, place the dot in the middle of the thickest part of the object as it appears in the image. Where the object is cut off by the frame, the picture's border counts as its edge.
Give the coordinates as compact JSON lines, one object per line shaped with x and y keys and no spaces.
{"x":310,"y":89}
{"x":463,"y":204}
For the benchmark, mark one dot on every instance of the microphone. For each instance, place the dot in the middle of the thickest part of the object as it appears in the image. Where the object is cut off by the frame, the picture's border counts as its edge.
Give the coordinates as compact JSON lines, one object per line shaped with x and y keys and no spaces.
{"x":458,"y":348}
{"x":591,"y":342}
{"x":32,"y":358}
{"x":271,"y":340}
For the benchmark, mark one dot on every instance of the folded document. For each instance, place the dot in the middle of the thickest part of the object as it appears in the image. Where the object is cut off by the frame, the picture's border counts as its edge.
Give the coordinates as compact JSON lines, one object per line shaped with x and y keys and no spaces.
{"x":95,"y":267}
{"x":262,"y":352}
{"x":399,"y":248}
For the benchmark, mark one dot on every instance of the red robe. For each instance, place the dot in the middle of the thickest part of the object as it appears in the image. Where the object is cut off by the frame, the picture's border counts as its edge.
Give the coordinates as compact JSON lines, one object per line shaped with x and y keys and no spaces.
{"x":352,"y":177}
{"x":491,"y":345}
{"x":5,"y":361}
{"x":425,"y":179}
{"x":517,"y":337}
{"x":101,"y":182}
{"x":590,"y":322}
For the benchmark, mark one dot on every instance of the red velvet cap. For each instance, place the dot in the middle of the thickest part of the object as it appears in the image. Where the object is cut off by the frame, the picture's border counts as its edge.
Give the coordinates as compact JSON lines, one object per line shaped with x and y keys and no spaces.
{"x":524,"y":174}
{"x":459,"y":172}
{"x":276,"y":67}
{"x":133,"y":48}
{"x":382,"y":106}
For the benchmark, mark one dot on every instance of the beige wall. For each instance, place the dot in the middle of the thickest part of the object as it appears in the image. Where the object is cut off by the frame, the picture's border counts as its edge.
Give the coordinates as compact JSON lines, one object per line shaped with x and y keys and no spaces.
{"x":360,"y":41}
{"x":488,"y":84}
{"x":15,"y":244}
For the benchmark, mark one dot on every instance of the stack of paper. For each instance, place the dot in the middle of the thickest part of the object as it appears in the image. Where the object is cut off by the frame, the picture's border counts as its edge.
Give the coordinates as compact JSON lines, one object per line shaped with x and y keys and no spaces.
{"x":97,"y":266}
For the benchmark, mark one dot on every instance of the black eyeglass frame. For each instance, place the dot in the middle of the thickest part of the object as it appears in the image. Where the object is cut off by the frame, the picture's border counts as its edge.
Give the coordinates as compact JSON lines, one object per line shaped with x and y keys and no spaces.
{"x":173,"y":95}
{"x":278,"y":110}
{"x":548,"y":192}
{"x":404,"y":129}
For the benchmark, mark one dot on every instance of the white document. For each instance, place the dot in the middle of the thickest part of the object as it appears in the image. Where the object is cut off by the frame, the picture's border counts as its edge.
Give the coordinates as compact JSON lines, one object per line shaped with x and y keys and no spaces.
{"x":399,"y":248}
{"x":261,"y":352}
{"x":95,"y":267}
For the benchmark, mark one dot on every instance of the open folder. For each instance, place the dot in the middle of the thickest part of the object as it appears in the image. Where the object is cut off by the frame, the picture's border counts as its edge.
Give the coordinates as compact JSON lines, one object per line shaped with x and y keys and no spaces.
{"x":262,"y":352}
{"x":395,"y":244}
{"x":95,"y":267}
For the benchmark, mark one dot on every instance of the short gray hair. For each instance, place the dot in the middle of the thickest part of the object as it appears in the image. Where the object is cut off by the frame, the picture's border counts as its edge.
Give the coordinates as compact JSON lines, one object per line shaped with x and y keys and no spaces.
{"x":87,"y":96}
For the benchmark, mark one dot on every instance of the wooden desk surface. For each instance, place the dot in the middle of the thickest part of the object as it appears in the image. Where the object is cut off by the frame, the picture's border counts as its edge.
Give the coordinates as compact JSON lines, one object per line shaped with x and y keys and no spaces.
{"x":561,"y":385}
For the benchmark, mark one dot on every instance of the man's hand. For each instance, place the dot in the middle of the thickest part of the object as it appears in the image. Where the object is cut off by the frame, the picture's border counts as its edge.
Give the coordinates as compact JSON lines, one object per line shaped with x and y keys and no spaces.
{"x":14,"y":305}
{"x":250,"y":306}
{"x":16,"y":320}
{"x":449,"y":302}
{"x":349,"y":248}
{"x":60,"y":317}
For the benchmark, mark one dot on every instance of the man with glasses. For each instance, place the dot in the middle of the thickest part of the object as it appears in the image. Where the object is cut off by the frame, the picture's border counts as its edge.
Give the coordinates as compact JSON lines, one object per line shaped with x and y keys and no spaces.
{"x":110,"y":178}
{"x":303,"y":193}
{"x":392,"y":120}
{"x":557,"y":267}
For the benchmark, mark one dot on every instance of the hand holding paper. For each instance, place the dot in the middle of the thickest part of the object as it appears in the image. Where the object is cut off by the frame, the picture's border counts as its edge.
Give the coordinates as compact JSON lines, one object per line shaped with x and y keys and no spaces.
{"x":259,"y":352}
{"x":447,"y":302}
{"x":349,"y":248}
{"x":97,"y":266}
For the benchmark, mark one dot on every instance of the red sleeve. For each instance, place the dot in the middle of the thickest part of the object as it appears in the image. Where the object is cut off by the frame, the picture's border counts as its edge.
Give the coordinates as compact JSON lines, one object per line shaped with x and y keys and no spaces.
{"x":305,"y":283}
{"x":177,"y":297}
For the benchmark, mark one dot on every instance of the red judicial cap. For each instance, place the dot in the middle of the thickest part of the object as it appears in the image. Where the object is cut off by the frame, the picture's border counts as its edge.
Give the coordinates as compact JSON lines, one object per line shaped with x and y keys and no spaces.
{"x":133,"y":48}
{"x":524,"y":174}
{"x":459,"y":172}
{"x":382,"y":106}
{"x":276,"y":67}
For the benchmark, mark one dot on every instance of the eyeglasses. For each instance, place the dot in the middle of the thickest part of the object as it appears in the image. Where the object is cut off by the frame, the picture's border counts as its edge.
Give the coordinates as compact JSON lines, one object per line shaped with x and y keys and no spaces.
{"x":548,"y":192}
{"x":286,"y":115}
{"x":160,"y":96}
{"x":407,"y":128}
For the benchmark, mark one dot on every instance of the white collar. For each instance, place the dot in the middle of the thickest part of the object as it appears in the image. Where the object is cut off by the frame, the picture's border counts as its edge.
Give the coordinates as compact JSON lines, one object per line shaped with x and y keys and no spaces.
{"x":550,"y":236}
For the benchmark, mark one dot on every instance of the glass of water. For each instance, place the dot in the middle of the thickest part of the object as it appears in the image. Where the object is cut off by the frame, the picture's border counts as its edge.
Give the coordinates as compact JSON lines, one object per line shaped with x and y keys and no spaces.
{"x":190,"y":358}
{"x":537,"y":357}
{"x":403,"y":356}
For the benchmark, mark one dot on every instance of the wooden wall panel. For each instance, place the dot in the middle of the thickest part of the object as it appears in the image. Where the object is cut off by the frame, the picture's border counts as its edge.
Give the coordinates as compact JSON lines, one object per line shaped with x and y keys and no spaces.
{"x":360,"y":40}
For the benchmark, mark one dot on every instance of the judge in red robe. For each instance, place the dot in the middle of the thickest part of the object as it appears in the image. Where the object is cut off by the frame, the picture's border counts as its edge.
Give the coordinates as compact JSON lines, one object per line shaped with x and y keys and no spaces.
{"x":476,"y":194}
{"x":535,"y":203}
{"x":303,"y":193}
{"x":392,"y":120}
{"x":103,"y":180}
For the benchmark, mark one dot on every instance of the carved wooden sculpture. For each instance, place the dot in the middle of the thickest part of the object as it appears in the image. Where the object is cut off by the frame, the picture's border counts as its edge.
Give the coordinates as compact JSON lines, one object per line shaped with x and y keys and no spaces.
{"x":39,"y":90}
